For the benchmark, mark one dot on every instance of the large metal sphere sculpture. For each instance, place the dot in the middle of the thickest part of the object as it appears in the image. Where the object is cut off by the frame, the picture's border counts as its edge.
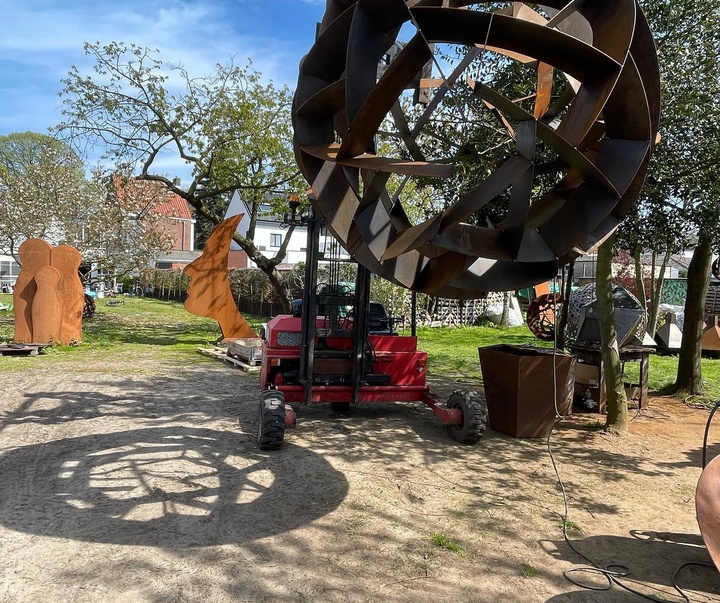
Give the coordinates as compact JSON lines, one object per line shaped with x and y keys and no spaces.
{"x":590,"y":124}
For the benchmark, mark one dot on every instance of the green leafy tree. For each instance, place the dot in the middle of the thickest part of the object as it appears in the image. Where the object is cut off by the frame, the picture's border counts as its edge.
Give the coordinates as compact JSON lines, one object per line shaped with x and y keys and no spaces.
{"x":684,"y":171}
{"x":653,"y":226}
{"x":44,"y":193}
{"x":233,"y":131}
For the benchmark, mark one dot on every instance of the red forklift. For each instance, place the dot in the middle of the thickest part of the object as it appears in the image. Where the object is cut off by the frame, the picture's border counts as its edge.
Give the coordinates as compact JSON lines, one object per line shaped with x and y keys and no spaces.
{"x":338,"y":347}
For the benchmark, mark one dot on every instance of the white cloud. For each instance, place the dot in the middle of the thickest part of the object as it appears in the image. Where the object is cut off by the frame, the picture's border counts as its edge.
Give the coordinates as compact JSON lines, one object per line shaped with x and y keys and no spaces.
{"x":42,"y":39}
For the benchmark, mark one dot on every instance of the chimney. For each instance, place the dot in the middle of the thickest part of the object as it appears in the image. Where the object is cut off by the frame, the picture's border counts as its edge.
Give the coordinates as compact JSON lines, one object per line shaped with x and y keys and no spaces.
{"x":177,"y":182}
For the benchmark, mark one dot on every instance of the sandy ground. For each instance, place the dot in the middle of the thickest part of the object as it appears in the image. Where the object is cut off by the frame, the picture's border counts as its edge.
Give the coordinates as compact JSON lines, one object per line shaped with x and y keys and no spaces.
{"x":136,"y":481}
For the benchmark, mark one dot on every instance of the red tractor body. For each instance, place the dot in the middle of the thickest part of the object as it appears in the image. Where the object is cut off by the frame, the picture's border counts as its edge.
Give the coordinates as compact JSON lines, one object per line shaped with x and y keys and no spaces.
{"x":397,"y":373}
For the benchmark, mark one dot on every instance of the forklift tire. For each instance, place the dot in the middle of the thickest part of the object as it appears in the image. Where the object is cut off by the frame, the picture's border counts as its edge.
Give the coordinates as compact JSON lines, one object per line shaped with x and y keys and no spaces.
{"x":340,"y":407}
{"x":475,"y":416}
{"x":271,"y":420}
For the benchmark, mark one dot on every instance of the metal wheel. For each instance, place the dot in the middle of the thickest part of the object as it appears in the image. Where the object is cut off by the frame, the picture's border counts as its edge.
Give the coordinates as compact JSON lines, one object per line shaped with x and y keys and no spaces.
{"x":271,"y":420}
{"x":475,"y":415}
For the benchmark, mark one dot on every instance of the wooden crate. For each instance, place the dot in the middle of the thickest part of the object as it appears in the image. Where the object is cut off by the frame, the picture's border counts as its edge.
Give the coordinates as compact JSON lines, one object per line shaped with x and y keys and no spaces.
{"x":249,"y":350}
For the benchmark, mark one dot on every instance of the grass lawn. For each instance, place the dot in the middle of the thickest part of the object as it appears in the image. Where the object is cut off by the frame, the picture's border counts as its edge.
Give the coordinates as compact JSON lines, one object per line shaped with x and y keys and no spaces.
{"x":139,"y":326}
{"x":453,"y":353}
{"x":165,"y":329}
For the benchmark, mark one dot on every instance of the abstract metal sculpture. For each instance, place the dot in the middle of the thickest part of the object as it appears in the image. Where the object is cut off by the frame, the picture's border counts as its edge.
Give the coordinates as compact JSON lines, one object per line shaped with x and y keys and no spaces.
{"x":541,"y":315}
{"x":48,"y":294}
{"x":582,"y":326}
{"x":580,"y":142}
{"x":209,"y":291}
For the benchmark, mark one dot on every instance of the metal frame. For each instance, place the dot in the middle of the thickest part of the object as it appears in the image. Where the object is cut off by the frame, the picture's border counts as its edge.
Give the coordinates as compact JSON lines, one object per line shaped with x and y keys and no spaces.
{"x":602,"y":130}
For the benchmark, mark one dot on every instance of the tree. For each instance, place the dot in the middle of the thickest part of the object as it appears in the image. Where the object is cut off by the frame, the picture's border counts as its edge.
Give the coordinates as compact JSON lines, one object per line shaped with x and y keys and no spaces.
{"x":617,"y":417}
{"x":659,"y":228}
{"x":44,"y":193}
{"x":689,"y":374}
{"x":684,"y":170}
{"x":233,"y":131}
{"x":43,"y":187}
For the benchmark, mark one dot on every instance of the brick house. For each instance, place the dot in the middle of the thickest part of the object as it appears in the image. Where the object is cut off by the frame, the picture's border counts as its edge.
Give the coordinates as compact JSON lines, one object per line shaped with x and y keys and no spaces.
{"x":175,"y":219}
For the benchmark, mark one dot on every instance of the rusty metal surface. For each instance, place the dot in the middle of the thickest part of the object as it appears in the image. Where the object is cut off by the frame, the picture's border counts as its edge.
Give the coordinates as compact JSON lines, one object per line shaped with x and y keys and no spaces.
{"x":208,"y":292}
{"x":48,"y":295}
{"x":541,"y":315}
{"x":707,"y":507}
{"x":590,"y":126}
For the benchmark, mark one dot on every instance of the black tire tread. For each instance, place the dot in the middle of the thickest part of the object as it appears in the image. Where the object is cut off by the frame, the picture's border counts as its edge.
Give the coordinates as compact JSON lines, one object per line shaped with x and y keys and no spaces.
{"x":475,"y":417}
{"x":271,"y":421}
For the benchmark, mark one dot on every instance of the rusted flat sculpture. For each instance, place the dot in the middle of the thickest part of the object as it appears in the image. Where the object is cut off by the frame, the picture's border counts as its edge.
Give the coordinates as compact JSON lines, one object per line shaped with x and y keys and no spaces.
{"x":209,"y":291}
{"x":710,"y":342}
{"x":48,"y":294}
{"x":590,"y":127}
{"x":707,"y":507}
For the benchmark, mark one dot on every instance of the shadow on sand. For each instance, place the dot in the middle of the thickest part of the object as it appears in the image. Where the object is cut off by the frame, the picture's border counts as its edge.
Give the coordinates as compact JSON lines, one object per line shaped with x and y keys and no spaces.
{"x":168,"y":486}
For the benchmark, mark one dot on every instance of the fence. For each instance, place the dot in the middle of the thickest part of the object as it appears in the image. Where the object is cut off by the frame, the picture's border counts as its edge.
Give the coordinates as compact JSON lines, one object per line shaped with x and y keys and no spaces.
{"x":254,"y":295}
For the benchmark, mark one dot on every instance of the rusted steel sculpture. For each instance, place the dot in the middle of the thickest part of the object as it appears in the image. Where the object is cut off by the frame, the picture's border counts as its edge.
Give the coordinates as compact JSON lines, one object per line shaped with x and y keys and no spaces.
{"x":541,"y":315}
{"x":591,"y":124}
{"x":209,"y":291}
{"x":48,"y":295}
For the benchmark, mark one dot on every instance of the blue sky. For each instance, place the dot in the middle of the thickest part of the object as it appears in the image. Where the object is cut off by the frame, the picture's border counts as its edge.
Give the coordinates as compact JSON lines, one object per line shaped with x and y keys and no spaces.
{"x":42,"y":39}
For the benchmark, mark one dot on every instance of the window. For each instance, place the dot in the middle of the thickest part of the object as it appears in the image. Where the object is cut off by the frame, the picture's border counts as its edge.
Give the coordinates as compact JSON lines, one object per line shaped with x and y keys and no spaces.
{"x":275,"y":240}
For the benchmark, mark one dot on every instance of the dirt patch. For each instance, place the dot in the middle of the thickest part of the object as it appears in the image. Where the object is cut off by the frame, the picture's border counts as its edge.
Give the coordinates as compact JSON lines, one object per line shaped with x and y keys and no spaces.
{"x":132,"y":481}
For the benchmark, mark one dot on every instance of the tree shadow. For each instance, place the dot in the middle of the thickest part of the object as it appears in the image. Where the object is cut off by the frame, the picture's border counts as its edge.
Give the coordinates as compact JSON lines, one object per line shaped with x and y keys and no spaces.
{"x":386,"y":433}
{"x":171,"y":487}
{"x":651,"y":557}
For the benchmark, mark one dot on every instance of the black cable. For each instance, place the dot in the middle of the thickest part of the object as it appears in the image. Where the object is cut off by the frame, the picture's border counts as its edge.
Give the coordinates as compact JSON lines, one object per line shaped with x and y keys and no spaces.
{"x":707,"y":430}
{"x":613,"y":571}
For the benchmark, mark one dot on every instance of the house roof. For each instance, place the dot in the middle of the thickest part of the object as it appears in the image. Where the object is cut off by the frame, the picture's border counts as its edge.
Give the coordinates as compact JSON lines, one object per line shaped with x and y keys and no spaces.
{"x":174,"y":206}
{"x":164,"y":202}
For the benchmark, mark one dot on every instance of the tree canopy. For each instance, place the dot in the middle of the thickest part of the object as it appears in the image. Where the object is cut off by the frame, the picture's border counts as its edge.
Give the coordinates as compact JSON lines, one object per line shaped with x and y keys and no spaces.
{"x":44,"y":193}
{"x":680,"y":202}
{"x":229,"y":128}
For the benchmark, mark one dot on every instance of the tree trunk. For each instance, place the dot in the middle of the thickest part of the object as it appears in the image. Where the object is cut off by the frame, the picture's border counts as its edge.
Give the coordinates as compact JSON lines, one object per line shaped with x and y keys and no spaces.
{"x":565,"y":311}
{"x":617,"y":414}
{"x":640,"y":277}
{"x":505,"y":318}
{"x":657,"y":295}
{"x":689,"y":375}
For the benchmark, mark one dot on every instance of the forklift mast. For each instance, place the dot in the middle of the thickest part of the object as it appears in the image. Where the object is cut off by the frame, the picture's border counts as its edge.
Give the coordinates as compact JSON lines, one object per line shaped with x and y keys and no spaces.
{"x":335,"y":303}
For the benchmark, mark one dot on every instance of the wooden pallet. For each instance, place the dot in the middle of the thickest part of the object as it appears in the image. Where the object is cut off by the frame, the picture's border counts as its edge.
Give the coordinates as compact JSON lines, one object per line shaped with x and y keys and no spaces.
{"x":221,"y":354}
{"x":19,"y":349}
{"x":216,"y":352}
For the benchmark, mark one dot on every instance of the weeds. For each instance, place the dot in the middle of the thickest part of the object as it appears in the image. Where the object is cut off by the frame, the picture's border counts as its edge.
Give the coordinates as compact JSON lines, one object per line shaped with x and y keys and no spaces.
{"x":571,"y":526}
{"x":439,"y":539}
{"x":529,"y":571}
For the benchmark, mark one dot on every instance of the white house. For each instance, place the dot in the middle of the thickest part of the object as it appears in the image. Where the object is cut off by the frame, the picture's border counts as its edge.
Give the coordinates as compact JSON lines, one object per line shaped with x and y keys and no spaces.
{"x":269,"y":236}
{"x":9,"y":271}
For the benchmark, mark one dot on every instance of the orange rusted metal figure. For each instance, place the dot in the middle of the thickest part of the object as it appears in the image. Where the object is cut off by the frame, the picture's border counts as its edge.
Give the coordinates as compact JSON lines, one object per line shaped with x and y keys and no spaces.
{"x":209,"y":291}
{"x":48,"y":295}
